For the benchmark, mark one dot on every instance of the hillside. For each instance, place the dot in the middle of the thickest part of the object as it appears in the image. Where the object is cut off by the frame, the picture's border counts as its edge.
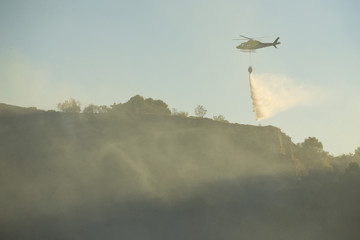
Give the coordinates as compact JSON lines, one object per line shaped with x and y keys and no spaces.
{"x":11,"y":109}
{"x":141,"y":175}
{"x":159,"y":153}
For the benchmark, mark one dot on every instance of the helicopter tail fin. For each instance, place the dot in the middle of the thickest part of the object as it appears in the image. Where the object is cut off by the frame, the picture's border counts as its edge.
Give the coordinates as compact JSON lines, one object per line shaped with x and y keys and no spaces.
{"x":276,"y":42}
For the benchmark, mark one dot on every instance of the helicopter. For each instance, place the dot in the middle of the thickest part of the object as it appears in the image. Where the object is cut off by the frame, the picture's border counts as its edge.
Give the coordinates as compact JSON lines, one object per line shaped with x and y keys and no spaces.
{"x":251,"y":45}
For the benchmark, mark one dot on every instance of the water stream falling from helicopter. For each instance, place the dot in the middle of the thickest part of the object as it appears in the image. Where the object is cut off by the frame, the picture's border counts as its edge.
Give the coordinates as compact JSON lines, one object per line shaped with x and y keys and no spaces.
{"x":271,"y":94}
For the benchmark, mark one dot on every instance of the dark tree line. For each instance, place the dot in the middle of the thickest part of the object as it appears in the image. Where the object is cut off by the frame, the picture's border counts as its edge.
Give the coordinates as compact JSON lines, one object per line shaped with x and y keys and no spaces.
{"x":135,"y":105}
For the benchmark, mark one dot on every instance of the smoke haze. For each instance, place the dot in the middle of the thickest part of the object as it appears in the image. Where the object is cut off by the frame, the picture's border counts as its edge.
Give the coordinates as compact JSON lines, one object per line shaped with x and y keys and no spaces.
{"x":272,"y":93}
{"x":130,"y":173}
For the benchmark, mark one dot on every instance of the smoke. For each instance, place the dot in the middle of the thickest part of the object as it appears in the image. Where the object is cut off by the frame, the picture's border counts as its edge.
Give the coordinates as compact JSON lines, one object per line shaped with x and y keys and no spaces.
{"x":275,"y":93}
{"x":30,"y":83}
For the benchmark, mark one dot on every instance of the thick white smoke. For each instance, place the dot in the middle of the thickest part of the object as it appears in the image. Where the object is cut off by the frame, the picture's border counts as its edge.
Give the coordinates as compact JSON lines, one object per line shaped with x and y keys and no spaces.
{"x":275,"y":93}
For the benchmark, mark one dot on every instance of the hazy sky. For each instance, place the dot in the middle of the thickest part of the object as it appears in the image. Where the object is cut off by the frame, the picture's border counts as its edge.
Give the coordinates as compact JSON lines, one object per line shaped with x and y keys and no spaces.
{"x":182,"y":52}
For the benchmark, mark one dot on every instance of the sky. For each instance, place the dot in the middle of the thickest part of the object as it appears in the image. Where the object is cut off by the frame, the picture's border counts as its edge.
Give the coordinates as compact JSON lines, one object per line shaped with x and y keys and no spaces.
{"x":183,"y":52}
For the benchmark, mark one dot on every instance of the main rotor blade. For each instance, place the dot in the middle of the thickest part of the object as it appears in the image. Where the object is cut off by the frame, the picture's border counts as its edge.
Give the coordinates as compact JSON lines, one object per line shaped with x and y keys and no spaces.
{"x":246,"y":37}
{"x":254,"y":38}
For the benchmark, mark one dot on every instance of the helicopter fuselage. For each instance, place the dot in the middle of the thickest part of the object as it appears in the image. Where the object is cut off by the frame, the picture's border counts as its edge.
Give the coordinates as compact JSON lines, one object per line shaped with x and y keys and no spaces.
{"x":252,"y":45}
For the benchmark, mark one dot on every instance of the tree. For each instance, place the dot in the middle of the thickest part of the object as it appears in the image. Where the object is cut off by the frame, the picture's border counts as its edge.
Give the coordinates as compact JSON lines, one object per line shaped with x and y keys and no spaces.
{"x":139,"y":105}
{"x":200,"y":111}
{"x":312,"y":143}
{"x":312,"y":157}
{"x":94,"y":109}
{"x":357,"y":155}
{"x":157,"y":107}
{"x":135,"y":104}
{"x":175,"y":112}
{"x":220,"y":118}
{"x":70,"y":105}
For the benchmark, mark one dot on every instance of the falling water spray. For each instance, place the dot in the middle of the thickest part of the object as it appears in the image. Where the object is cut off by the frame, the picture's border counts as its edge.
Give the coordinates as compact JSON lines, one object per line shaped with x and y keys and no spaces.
{"x":272,"y":93}
{"x":256,"y":99}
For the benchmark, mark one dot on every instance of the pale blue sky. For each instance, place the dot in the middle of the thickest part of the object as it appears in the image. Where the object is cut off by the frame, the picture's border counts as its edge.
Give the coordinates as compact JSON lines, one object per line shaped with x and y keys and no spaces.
{"x":182,"y":52}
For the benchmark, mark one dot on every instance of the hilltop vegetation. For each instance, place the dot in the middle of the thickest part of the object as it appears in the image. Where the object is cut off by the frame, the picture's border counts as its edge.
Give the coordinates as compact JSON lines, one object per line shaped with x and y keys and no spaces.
{"x":137,"y":170}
